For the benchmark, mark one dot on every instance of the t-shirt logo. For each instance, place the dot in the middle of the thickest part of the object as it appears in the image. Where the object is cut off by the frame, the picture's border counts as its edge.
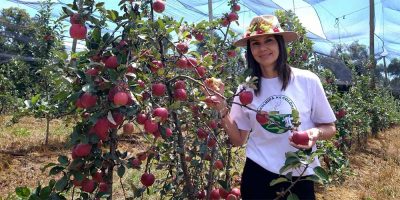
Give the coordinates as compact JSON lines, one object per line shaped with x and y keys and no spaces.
{"x":279,"y":108}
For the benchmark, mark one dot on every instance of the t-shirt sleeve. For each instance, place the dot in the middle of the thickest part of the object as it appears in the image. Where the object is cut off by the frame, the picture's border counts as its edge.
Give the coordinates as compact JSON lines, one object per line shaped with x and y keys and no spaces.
{"x":321,"y":111}
{"x":239,"y":115}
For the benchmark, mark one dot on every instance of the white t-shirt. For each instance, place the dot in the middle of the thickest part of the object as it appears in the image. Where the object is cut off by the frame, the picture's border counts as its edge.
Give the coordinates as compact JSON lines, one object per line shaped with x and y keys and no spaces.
{"x":267,"y":144}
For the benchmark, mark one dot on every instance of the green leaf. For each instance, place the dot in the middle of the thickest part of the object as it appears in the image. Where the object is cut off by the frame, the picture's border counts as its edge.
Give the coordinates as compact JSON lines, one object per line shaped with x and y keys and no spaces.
{"x":292,"y":160}
{"x":99,"y":5}
{"x":321,"y":173}
{"x":63,"y":160}
{"x":60,"y":184}
{"x":223,"y":183}
{"x":161,"y":24}
{"x":48,"y":165}
{"x":314,"y":178}
{"x":121,"y":171}
{"x":35,"y":99}
{"x":45,"y":193}
{"x":112,"y":15}
{"x":23,"y":192}
{"x":55,"y":170}
{"x":278,"y":180}
{"x":96,"y":35}
{"x":292,"y":196}
{"x":106,"y":37}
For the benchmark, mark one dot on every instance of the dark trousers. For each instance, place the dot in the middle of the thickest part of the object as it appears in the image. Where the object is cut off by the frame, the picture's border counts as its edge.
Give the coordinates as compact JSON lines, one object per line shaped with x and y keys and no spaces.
{"x":256,"y":180}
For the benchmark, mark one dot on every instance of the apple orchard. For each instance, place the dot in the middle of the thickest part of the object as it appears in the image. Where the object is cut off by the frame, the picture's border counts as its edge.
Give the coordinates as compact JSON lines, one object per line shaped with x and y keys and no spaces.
{"x":157,"y":78}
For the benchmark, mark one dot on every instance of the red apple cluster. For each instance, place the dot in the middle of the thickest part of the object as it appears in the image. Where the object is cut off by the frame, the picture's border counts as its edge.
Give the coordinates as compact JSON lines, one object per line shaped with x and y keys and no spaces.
{"x":78,"y":29}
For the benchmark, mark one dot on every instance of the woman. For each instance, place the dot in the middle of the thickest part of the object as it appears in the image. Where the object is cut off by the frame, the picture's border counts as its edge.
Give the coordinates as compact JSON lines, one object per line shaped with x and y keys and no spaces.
{"x":280,"y":89}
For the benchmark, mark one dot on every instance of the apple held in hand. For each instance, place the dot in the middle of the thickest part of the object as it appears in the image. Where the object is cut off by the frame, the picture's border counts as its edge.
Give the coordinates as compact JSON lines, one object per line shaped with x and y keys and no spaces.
{"x":300,"y":137}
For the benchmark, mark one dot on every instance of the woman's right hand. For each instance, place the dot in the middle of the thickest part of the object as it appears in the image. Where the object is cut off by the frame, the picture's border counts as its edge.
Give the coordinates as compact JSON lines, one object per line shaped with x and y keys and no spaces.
{"x":214,"y":92}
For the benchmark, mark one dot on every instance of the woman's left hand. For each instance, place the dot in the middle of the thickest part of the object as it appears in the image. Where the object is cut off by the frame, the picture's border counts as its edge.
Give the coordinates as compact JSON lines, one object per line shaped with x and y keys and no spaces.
{"x":313,"y":135}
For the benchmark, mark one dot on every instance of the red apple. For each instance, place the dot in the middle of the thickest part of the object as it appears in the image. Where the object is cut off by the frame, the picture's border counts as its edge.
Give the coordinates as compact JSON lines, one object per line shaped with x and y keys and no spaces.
{"x":236,"y":192}
{"x":141,"y":118}
{"x":128,"y":128}
{"x":159,"y":6}
{"x":103,"y":187}
{"x":156,"y":65}
{"x":180,"y":84}
{"x":88,"y":185}
{"x":233,"y":16}
{"x":182,"y":63}
{"x":82,"y":150}
{"x":101,"y":128}
{"x":150,"y":126}
{"x":78,"y":31}
{"x":246,"y":97}
{"x":168,"y":132}
{"x":212,"y":142}
{"x":213,"y":124}
{"x":182,"y":47}
{"x":236,"y":7}
{"x":180,"y":94}
{"x":88,"y":100}
{"x":199,"y":36}
{"x":214,"y":194}
{"x":300,"y":137}
{"x":304,"y":57}
{"x":231,"y":53}
{"x":201,"y":194}
{"x":223,"y":193}
{"x":192,"y":62}
{"x":231,"y":197}
{"x":111,"y":62}
{"x":98,"y":176}
{"x":147,"y":179}
{"x":202,"y":134}
{"x":121,"y":98}
{"x":92,"y":72}
{"x":218,"y":164}
{"x":136,"y":162}
{"x":158,"y":89}
{"x":142,"y":156}
{"x":225,"y":22}
{"x":201,"y":71}
{"x":161,"y":112}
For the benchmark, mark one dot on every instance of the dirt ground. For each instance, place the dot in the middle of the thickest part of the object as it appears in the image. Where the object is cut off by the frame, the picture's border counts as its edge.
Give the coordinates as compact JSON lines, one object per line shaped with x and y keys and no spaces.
{"x":376,"y":169}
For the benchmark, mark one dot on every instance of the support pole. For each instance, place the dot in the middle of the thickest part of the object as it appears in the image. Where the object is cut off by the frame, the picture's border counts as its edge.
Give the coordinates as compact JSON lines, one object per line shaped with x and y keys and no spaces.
{"x":210,"y":11}
{"x":371,"y":41}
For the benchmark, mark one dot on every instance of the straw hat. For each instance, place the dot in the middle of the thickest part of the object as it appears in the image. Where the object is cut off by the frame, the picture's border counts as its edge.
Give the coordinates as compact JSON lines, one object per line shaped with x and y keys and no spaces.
{"x":265,"y":25}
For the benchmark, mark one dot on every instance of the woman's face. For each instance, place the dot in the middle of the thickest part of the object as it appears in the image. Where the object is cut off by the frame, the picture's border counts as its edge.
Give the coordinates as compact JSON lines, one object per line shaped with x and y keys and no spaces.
{"x":265,"y":50}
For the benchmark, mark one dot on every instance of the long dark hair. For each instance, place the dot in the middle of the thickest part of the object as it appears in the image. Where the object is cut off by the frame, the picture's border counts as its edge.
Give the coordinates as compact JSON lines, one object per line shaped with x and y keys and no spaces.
{"x":281,"y":67}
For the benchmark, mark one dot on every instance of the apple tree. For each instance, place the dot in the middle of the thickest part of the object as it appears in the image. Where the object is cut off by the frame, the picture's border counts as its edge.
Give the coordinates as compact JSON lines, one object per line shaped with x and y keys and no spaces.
{"x":145,"y":78}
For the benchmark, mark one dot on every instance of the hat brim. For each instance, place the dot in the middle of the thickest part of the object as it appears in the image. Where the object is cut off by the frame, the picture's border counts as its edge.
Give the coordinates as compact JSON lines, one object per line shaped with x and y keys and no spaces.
{"x":288,"y":36}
